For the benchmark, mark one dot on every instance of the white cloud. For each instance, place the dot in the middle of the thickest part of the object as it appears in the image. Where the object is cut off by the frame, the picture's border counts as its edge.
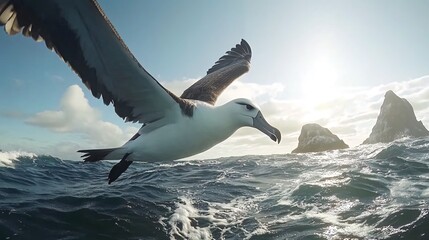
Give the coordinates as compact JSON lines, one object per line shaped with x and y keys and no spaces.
{"x":77,"y":116}
{"x":351,"y":114}
{"x":238,"y":89}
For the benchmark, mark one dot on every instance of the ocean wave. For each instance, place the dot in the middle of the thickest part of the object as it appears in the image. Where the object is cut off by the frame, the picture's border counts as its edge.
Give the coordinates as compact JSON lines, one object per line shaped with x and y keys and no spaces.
{"x":7,"y":159}
{"x":378,"y":191}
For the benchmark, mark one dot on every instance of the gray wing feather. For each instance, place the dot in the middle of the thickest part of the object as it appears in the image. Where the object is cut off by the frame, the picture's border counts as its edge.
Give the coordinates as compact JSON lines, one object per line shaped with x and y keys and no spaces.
{"x":229,"y":67}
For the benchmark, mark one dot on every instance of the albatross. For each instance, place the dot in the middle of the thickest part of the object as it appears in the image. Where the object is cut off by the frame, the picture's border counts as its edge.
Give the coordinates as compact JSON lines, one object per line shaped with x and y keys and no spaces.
{"x":173,"y":127}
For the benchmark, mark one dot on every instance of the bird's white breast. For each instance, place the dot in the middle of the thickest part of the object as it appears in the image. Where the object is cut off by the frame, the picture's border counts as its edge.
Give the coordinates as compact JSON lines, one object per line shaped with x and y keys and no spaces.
{"x":186,"y":137}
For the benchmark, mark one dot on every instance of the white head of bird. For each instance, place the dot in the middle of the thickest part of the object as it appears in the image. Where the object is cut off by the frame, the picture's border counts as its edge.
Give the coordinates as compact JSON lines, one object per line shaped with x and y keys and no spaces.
{"x":243,"y":112}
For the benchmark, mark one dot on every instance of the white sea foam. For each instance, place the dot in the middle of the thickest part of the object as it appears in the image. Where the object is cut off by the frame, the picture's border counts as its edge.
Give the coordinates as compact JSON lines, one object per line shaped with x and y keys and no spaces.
{"x":403,"y":189}
{"x":337,"y":225}
{"x":181,"y":222}
{"x":225,"y":216}
{"x":425,"y":193}
{"x":8,"y":159}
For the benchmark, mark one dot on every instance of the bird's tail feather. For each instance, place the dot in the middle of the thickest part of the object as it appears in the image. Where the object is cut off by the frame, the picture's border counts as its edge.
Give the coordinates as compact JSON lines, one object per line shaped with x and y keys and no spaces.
{"x":94,"y":155}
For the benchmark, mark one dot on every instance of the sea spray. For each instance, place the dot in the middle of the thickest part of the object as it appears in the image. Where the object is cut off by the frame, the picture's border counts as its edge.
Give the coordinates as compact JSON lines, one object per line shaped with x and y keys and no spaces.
{"x":7,"y":159}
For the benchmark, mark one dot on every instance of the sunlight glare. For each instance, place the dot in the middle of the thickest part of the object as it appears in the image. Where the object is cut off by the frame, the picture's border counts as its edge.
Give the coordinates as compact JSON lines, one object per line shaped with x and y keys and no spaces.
{"x":320,"y":68}
{"x":319,"y":81}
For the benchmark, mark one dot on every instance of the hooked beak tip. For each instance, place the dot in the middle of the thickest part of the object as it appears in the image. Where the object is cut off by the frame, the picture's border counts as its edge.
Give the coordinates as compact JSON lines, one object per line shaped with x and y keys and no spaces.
{"x":260,"y":123}
{"x":278,"y":135}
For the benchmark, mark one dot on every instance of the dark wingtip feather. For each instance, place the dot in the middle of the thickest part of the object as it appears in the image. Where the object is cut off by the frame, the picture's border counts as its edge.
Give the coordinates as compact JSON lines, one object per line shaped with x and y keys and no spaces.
{"x":94,"y":155}
{"x":239,"y":52}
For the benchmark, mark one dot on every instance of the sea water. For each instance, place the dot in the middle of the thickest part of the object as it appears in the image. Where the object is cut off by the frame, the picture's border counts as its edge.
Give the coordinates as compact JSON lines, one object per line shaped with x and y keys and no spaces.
{"x":378,"y":191}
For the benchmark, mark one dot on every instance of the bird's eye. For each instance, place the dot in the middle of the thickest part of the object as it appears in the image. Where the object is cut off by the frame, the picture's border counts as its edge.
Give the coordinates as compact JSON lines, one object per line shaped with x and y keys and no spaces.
{"x":249,"y":107}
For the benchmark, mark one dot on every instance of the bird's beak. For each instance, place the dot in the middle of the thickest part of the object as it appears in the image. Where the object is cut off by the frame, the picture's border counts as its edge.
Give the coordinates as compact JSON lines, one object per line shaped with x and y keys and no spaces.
{"x":260,"y":123}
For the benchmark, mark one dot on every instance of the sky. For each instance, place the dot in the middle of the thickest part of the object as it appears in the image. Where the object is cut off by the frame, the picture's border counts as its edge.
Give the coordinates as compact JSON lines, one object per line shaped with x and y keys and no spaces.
{"x":325,"y":62}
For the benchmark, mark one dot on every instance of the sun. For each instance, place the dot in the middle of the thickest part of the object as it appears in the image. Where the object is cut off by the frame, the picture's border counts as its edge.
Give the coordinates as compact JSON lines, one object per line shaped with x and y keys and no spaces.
{"x":320,"y":68}
{"x":319,"y":82}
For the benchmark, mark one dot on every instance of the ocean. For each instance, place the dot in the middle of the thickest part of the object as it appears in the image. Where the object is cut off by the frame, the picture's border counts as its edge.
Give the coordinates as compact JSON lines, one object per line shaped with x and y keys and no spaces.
{"x":378,"y":191}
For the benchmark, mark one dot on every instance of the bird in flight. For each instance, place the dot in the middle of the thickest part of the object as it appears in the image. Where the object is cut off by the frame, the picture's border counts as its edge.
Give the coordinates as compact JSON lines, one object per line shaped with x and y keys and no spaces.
{"x":173,"y":127}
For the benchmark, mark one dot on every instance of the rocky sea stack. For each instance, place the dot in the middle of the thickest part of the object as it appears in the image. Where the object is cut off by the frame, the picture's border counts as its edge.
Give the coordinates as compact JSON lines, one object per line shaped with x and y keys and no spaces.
{"x":396,"y":120}
{"x":315,"y":138}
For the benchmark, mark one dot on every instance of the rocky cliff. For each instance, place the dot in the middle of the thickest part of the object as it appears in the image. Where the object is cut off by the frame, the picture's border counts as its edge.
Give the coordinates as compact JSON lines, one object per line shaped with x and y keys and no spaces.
{"x":315,"y":138}
{"x":396,"y":120}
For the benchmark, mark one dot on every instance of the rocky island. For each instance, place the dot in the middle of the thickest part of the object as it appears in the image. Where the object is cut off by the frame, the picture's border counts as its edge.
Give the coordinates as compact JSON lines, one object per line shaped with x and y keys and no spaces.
{"x":315,"y":138}
{"x":396,"y":120}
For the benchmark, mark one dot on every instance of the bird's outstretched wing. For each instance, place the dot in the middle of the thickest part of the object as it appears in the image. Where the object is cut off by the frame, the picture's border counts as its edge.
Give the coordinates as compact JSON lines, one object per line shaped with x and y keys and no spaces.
{"x":229,"y":67}
{"x":80,"y":33}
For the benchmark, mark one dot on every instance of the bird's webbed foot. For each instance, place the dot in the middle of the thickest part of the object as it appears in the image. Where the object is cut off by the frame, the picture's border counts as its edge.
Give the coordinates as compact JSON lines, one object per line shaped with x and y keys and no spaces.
{"x":119,"y":168}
